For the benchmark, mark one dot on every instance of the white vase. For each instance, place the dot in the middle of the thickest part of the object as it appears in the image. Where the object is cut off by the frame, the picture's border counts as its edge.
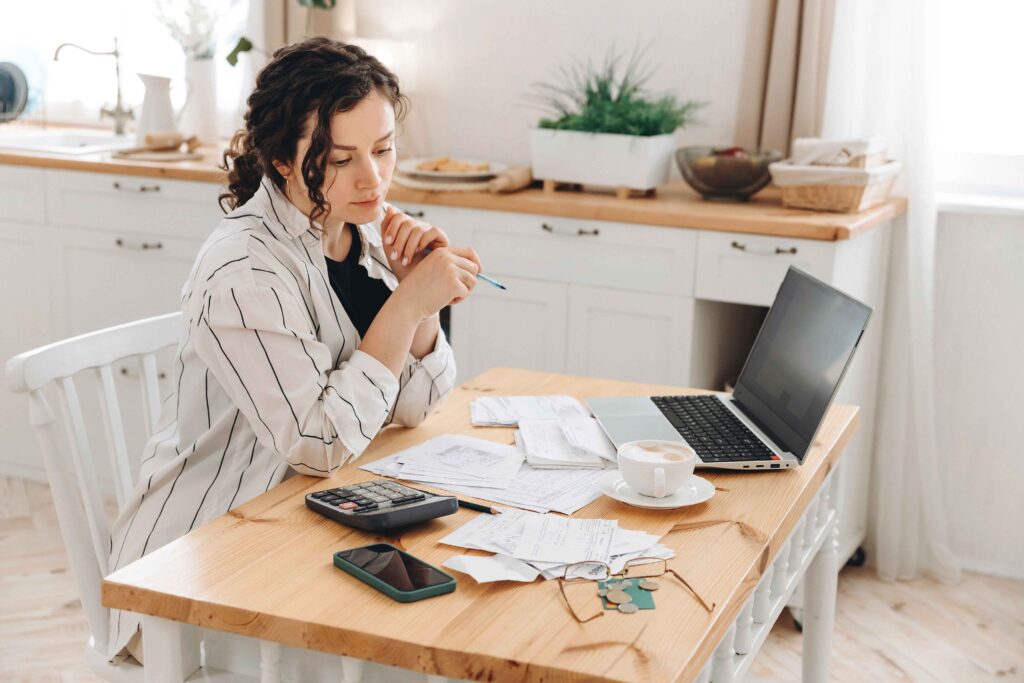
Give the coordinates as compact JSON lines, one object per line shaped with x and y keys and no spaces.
{"x":157,"y":115}
{"x":199,"y":115}
{"x":630,"y":161}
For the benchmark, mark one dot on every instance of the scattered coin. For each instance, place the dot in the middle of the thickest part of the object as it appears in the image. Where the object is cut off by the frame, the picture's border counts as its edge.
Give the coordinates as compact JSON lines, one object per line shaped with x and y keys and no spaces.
{"x":628,"y":608}
{"x":649,"y":585}
{"x":618,"y":597}
{"x":602,"y":592}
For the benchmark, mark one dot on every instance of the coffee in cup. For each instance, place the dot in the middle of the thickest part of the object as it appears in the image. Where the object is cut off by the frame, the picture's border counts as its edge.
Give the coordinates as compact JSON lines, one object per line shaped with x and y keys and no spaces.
{"x":656,"y":468}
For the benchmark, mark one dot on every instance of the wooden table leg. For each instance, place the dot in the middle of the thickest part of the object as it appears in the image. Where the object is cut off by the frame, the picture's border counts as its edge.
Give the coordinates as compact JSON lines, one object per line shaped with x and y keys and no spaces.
{"x":820,"y":608}
{"x":171,"y":650}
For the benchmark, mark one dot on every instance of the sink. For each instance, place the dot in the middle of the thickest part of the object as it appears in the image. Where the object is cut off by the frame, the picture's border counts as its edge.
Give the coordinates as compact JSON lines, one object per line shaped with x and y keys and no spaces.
{"x":67,"y":143}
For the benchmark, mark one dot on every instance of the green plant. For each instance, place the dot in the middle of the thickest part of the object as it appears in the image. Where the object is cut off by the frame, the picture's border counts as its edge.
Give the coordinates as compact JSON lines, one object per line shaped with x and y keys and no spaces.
{"x":602,"y":101}
{"x":245,"y":45}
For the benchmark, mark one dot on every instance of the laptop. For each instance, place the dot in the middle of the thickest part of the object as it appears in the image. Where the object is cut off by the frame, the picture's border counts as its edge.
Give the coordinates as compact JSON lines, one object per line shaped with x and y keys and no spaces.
{"x":787,"y":384}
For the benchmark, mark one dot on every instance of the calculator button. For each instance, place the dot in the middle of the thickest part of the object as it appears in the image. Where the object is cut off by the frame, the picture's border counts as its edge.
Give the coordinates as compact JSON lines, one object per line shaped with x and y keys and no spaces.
{"x":321,"y":494}
{"x":347,"y":506}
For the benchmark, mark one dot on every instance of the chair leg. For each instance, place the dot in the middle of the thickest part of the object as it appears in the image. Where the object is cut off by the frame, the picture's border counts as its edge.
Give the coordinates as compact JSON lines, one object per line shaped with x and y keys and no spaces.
{"x":270,"y":662}
{"x":351,"y":670}
{"x":171,"y":650}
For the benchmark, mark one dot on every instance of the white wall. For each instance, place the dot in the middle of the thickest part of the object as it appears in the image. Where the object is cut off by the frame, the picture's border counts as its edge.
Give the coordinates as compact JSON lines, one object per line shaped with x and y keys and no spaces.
{"x":979,"y":324}
{"x":477,"y":59}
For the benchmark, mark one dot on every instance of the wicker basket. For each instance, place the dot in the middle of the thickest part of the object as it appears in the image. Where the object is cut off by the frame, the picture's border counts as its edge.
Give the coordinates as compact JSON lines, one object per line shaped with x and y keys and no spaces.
{"x":834,"y":188}
{"x":842,"y":198}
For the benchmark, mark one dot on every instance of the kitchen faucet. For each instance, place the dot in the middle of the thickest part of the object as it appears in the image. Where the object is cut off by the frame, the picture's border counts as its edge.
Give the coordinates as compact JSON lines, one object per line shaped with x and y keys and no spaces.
{"x":118,"y":113}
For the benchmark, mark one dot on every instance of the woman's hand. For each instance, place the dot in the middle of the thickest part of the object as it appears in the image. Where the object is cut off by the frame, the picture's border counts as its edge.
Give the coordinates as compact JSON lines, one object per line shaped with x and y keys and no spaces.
{"x":444,"y":276}
{"x":405,"y":238}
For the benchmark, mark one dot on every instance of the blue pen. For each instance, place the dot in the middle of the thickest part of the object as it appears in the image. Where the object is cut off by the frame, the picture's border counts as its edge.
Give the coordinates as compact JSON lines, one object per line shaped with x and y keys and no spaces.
{"x":479,"y":276}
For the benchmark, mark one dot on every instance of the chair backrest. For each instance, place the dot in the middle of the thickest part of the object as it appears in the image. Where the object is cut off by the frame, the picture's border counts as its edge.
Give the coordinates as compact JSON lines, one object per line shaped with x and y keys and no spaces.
{"x":77,"y":496}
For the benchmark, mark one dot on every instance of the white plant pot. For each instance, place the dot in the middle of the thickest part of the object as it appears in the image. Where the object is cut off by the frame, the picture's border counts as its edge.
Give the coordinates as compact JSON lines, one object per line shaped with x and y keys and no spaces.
{"x":630,"y":161}
{"x":199,"y":115}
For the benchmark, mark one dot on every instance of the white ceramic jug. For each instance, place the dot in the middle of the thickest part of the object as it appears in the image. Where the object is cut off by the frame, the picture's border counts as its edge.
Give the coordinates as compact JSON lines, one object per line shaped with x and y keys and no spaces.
{"x":157,"y":111}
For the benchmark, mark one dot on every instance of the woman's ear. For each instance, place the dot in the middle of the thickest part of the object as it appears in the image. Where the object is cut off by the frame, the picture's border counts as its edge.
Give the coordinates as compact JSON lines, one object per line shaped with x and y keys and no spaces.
{"x":283,"y":169}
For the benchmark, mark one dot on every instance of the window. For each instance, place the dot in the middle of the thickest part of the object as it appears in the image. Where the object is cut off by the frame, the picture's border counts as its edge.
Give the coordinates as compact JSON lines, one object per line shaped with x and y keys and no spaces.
{"x":73,"y":89}
{"x":980,"y":116}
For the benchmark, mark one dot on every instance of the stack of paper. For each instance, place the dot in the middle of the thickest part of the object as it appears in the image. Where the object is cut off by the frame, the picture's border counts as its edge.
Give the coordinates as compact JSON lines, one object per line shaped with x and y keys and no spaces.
{"x":491,"y":471}
{"x":506,"y":411}
{"x":565,"y":443}
{"x":527,"y":544}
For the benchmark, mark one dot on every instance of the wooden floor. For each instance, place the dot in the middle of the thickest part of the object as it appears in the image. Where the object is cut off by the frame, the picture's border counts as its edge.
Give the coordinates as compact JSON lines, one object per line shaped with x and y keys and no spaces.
{"x":917,"y":631}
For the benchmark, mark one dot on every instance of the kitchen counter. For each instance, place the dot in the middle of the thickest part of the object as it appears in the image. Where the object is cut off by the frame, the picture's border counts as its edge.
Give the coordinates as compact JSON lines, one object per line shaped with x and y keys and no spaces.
{"x":675,"y":205}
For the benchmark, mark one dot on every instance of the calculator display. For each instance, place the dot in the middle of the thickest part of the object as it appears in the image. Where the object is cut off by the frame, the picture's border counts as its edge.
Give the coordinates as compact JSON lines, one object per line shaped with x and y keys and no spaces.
{"x":400,"y":570}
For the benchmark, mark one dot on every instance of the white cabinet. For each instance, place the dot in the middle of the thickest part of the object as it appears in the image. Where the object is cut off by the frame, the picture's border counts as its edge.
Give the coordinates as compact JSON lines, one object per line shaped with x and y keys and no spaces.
{"x":523,"y":327}
{"x":128,"y":204}
{"x":106,"y":278}
{"x":23,"y":310}
{"x":748,"y":269}
{"x":639,"y":337}
{"x":587,"y":297}
{"x":100,"y":250}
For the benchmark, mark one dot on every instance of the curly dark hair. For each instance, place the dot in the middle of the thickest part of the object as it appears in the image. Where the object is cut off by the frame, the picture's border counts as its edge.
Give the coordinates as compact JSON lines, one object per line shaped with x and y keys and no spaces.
{"x":317,"y":74}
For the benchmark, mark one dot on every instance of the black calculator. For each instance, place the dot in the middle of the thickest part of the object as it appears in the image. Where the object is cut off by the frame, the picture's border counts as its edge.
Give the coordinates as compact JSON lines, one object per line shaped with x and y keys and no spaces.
{"x":380,"y":505}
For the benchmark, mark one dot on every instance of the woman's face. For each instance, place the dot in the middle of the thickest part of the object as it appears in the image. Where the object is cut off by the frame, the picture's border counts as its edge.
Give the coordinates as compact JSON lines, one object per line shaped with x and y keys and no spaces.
{"x":359,"y":168}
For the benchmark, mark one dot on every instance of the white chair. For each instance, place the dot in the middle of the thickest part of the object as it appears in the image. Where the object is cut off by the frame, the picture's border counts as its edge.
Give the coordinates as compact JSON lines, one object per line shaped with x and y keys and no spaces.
{"x":77,"y":495}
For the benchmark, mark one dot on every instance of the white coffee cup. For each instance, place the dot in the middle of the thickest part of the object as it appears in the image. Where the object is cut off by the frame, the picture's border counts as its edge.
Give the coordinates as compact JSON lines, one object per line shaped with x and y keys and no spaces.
{"x":656,"y":468}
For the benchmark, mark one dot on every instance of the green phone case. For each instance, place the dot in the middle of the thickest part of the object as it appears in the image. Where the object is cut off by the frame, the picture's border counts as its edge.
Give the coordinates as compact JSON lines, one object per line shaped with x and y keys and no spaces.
{"x":388,"y":589}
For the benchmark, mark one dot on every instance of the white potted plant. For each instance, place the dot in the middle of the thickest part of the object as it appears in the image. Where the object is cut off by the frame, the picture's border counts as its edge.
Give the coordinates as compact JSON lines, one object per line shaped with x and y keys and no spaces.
{"x":606,"y":130}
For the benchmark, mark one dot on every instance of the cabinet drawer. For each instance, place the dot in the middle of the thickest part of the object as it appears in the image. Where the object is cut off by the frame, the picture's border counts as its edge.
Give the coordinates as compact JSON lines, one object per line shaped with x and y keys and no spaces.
{"x":151,"y":206}
{"x":22,"y":194}
{"x":616,"y":255}
{"x":748,"y":269}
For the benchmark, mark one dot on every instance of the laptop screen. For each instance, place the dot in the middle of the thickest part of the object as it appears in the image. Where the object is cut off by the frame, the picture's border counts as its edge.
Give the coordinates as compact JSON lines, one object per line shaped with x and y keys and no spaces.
{"x":798,"y":359}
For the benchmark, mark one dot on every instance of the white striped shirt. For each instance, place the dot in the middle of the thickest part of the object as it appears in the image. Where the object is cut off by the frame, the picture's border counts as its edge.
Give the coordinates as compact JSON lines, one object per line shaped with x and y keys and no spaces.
{"x":268,"y":376}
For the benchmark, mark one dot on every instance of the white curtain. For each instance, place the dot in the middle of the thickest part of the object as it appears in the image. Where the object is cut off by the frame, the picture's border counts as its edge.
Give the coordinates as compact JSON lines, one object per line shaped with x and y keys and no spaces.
{"x":882,"y":80}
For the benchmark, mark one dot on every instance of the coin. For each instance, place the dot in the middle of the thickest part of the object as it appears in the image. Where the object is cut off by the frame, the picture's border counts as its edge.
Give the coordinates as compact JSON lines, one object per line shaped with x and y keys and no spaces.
{"x":618,"y":596}
{"x":602,"y":592}
{"x":649,"y":585}
{"x":628,"y":608}
{"x":613,"y":585}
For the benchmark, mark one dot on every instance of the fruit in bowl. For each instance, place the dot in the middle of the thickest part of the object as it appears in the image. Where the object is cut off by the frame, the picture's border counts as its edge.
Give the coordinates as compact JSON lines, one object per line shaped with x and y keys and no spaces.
{"x":726,"y":172}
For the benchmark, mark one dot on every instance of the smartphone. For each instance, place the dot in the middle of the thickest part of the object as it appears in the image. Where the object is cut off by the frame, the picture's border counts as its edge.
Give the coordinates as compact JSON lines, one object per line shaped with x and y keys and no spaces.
{"x":394,"y":572}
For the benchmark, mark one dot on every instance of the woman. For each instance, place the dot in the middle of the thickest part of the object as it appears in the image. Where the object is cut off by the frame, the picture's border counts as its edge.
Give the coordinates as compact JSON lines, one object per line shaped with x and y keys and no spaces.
{"x":311,"y":313}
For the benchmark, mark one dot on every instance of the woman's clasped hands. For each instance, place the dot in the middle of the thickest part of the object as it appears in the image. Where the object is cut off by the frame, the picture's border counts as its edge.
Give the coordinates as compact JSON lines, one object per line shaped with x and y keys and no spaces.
{"x":432,"y":274}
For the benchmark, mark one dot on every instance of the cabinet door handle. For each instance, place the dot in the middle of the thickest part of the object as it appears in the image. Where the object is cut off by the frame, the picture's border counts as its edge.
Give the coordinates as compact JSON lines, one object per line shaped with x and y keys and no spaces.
{"x":579,"y":231}
{"x":140,"y":246}
{"x":136,"y":188}
{"x":125,"y":372}
{"x":741,"y":246}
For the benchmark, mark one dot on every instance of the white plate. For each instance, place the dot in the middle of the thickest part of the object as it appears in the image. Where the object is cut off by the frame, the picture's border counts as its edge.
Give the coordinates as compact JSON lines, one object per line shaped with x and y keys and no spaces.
{"x":697,"y":490}
{"x":408,"y":166}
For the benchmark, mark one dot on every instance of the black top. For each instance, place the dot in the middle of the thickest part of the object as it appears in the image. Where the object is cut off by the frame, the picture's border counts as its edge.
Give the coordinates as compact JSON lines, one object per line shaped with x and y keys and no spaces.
{"x":361,"y":295}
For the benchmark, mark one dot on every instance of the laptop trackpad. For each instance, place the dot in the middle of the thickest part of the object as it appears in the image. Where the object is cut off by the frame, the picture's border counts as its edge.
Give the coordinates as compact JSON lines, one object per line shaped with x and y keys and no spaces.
{"x":636,"y":427}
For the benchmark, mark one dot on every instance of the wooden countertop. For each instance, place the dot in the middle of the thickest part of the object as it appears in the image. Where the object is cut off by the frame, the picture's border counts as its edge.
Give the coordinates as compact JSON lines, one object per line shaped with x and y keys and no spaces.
{"x":675,"y":205}
{"x":227,"y":574}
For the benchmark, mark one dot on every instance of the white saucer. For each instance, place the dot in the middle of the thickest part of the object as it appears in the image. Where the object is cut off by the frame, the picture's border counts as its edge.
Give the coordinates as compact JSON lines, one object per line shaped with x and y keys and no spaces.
{"x":697,"y":490}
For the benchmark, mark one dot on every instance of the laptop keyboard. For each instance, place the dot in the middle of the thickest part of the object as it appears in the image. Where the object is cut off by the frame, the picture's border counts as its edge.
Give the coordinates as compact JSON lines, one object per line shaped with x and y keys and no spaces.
{"x":712,"y":430}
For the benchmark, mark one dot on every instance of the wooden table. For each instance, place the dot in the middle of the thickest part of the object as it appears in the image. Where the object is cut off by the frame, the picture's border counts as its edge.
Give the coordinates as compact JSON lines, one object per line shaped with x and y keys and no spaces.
{"x":264,"y":570}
